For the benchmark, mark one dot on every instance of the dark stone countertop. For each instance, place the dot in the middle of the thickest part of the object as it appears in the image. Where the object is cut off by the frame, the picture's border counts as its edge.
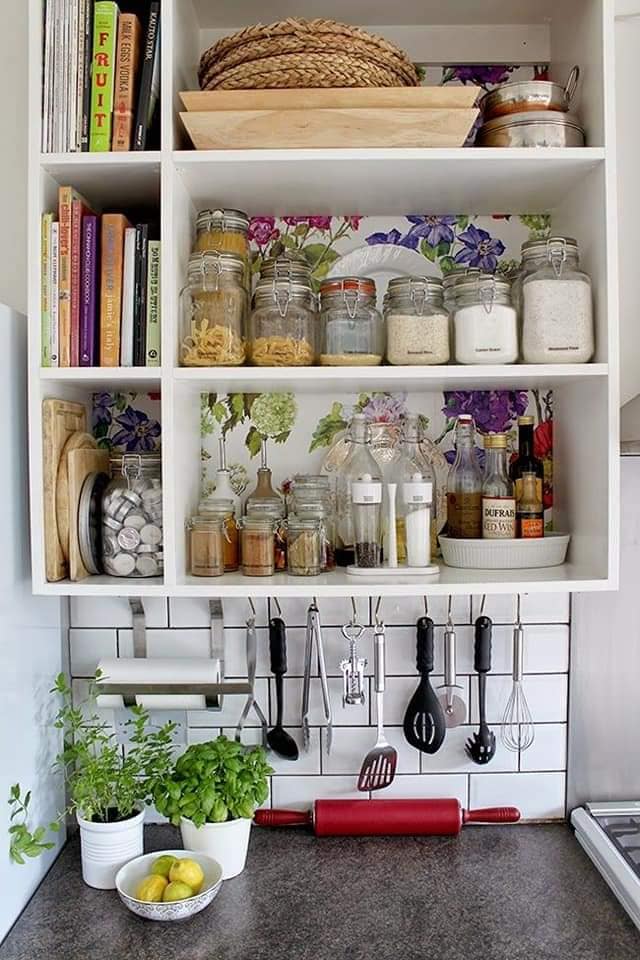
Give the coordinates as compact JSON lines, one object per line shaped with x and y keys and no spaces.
{"x":493,"y":893}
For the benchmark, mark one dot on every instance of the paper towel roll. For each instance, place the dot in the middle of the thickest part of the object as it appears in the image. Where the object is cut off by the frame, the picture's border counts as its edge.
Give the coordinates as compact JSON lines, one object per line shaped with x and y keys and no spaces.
{"x":174,"y":671}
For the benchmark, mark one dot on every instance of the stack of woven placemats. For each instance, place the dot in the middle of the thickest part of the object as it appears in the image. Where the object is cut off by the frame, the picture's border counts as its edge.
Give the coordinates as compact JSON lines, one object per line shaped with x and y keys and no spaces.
{"x":297,"y":53}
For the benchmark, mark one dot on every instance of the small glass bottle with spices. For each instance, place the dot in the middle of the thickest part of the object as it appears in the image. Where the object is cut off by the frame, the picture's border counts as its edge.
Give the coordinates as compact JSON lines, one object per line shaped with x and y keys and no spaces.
{"x":417,"y":321}
{"x":282,"y":327}
{"x":213,"y":305}
{"x":352,"y":328}
{"x":223,"y":509}
{"x":257,"y":546}
{"x":485,"y":321}
{"x":206,"y":546}
{"x":498,"y":500}
{"x":305,"y":546}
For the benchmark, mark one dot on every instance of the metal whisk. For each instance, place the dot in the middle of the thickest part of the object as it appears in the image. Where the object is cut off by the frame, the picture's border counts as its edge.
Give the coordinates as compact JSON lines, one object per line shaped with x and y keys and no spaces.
{"x":517,"y":731}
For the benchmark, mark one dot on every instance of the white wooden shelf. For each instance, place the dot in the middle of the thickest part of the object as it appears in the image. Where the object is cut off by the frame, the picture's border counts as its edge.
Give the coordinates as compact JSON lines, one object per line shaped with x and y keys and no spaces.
{"x":104,"y":378}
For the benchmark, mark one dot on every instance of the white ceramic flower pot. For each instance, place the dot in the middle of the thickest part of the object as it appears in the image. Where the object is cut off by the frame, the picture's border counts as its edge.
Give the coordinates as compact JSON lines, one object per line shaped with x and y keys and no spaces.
{"x":226,"y":842}
{"x":105,"y":847}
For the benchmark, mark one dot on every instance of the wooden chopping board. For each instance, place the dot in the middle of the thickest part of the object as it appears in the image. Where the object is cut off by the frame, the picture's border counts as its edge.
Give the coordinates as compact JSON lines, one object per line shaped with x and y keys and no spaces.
{"x":60,"y":418}
{"x":379,"y":98}
{"x":81,"y":462}
{"x":77,"y":441}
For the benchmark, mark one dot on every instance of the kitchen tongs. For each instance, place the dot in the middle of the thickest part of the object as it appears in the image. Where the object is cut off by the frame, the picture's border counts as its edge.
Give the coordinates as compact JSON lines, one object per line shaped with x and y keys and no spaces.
{"x":314,"y":638}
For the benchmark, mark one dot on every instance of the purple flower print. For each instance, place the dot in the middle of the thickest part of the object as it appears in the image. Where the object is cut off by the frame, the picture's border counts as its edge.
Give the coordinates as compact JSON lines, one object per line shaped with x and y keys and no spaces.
{"x":480,"y":75}
{"x":138,"y":433}
{"x":494,"y":411}
{"x":480,"y":249}
{"x":434,"y":230}
{"x":263,"y":230}
{"x":102,"y":403}
{"x":385,"y":408}
{"x":394,"y":238}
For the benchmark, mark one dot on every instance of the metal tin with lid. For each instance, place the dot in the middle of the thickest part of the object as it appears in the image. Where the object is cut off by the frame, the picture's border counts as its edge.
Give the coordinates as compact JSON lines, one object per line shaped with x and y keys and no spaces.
{"x":519,"y":96}
{"x":542,"y":128}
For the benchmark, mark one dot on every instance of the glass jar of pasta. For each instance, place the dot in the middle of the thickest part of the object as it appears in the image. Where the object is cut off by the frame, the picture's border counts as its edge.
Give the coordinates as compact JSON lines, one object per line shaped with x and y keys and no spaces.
{"x":214,"y":305}
{"x":223,"y":230}
{"x":282,"y":328}
{"x":352,"y":327}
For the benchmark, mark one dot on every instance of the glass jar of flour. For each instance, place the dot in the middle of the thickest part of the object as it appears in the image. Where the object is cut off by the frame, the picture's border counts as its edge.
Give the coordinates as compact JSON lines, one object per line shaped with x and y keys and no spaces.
{"x":556,"y":303}
{"x":132,"y":517}
{"x":485,"y":321}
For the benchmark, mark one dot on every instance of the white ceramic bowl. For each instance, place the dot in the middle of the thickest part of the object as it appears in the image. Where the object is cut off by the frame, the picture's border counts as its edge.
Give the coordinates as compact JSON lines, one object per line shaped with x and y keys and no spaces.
{"x":133,"y":873}
{"x":547,"y":551}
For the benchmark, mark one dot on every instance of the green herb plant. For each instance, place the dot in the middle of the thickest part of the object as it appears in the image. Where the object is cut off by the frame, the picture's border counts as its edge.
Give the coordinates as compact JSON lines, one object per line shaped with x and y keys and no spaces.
{"x":104,"y":783}
{"x":214,"y":782}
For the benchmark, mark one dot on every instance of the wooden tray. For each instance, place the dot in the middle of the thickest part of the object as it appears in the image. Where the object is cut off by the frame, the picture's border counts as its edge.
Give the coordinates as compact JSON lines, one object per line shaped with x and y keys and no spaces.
{"x":290,"y":119}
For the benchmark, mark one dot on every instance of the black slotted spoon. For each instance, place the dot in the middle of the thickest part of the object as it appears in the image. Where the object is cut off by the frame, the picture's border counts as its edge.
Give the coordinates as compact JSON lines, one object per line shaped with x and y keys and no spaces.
{"x":424,"y":721}
{"x":481,"y":747}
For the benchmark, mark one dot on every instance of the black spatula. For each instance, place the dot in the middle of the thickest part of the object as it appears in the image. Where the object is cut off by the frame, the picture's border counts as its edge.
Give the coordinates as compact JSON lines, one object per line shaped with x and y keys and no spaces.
{"x":481,"y":747}
{"x":424,"y":722}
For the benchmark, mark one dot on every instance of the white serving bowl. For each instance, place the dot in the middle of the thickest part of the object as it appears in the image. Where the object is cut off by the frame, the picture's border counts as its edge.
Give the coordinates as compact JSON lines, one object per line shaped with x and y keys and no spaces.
{"x":133,"y":873}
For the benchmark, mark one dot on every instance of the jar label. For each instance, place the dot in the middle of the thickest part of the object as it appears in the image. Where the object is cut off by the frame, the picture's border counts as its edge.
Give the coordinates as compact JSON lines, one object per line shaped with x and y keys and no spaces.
{"x":517,"y":489}
{"x":464,"y":515}
{"x":531,"y":528}
{"x":498,"y":518}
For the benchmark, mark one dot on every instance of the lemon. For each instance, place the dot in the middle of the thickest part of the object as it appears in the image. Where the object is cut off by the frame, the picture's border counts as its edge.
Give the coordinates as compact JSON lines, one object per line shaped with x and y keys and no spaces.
{"x":151,"y":889}
{"x":176,"y":890}
{"x":162,"y":865}
{"x":189,"y":872}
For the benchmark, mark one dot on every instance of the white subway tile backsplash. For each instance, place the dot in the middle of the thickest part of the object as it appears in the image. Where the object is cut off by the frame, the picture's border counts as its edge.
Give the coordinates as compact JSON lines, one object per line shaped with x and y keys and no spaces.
{"x":545,"y":608}
{"x":548,"y":750}
{"x":298,"y":793}
{"x":333,"y":612}
{"x":452,"y":756}
{"x":350,"y":715}
{"x":350,"y":745}
{"x":501,"y":608}
{"x":546,"y":648}
{"x":88,"y":647}
{"x":546,"y":696}
{"x":436,"y":786}
{"x":538,"y":796}
{"x":231,"y":709}
{"x":308,"y":762}
{"x":194,"y":612}
{"x":116,"y":612}
{"x":405,"y":611}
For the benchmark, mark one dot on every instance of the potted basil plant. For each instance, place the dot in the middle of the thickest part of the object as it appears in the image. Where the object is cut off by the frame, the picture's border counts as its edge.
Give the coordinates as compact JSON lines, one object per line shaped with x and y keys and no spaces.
{"x":212,"y":795}
{"x":108,"y":788}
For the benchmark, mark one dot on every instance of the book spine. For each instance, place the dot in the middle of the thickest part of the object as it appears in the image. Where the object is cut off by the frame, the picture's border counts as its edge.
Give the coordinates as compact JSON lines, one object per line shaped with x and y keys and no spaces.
{"x":86,"y":87}
{"x":78,"y":210}
{"x":65,"y":196}
{"x":72,"y":71}
{"x":105,"y":28}
{"x":151,"y":51}
{"x":126,"y":68}
{"x":54,"y":256}
{"x":128,"y":297}
{"x":47,"y":25}
{"x":153,"y":304}
{"x":45,"y":290}
{"x":82,"y":18}
{"x":140,"y":297}
{"x":113,"y":227}
{"x":89,"y":291}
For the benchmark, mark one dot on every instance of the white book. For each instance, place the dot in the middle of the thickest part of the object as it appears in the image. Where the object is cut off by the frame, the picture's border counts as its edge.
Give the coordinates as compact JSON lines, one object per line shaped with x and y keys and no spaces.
{"x":54,"y":259}
{"x":58,"y":82}
{"x":128,"y":297}
{"x":46,"y":76}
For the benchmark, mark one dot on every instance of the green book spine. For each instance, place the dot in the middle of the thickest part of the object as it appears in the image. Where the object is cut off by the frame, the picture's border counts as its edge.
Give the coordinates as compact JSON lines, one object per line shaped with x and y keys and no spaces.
{"x":45,"y":290}
{"x":105,"y":33}
{"x":153,"y":304}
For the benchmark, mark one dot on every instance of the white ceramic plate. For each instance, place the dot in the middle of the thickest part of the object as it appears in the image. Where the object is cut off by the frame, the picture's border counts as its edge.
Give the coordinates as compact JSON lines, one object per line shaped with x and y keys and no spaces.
{"x":382,"y":262}
{"x":133,"y":873}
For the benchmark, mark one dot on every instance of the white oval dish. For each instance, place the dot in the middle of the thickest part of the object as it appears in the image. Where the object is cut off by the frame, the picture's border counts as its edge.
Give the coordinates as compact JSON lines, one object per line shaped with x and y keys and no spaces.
{"x":547,"y":551}
{"x":129,"y":876}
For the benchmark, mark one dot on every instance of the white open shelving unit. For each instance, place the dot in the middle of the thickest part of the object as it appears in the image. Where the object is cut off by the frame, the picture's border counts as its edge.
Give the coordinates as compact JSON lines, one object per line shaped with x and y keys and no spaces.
{"x":577,"y":186}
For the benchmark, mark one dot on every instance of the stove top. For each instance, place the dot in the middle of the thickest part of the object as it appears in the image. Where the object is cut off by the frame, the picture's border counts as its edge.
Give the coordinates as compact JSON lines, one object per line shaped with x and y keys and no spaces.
{"x":624,"y":833}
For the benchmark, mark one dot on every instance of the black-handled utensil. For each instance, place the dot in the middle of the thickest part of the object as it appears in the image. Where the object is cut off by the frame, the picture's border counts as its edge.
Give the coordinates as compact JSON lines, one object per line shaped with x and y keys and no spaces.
{"x":278,"y":739}
{"x":424,"y":722}
{"x":481,"y":747}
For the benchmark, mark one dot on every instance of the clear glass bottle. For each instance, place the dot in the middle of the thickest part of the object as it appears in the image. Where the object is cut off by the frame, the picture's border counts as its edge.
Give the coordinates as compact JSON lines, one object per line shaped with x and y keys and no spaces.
{"x":557,"y":303}
{"x":221,"y":509}
{"x":498,"y":500}
{"x":464,"y":487}
{"x":258,"y":559}
{"x":283,"y":323}
{"x":485,"y":321}
{"x":305,"y":546}
{"x":213,"y":311}
{"x":417,"y":321}
{"x":359,"y":462}
{"x":352,"y":327}
{"x":529,"y":509}
{"x":132,"y":517}
{"x":366,"y":504}
{"x":206,"y":546}
{"x":417,"y":496}
{"x":411,"y":463}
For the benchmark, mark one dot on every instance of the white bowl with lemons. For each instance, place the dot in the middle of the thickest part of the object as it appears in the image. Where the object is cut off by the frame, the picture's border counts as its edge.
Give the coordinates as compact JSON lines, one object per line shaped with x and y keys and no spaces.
{"x":169,"y":884}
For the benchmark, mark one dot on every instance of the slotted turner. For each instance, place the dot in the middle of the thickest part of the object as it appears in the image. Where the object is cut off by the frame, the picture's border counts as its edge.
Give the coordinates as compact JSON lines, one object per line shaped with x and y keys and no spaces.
{"x":379,"y":766}
{"x":481,"y":747}
{"x":424,"y":723}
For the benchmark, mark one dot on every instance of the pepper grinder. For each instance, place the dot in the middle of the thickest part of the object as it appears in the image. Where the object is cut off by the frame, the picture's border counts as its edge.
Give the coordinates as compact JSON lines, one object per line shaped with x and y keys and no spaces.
{"x":366,"y":500}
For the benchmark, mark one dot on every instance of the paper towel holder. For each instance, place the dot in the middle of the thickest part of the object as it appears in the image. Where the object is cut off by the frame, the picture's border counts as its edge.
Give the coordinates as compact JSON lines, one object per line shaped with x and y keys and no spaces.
{"x":213,"y":693}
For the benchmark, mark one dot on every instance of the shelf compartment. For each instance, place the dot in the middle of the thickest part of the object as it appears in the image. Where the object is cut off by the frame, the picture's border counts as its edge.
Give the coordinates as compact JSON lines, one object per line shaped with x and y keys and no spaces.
{"x":111,"y":180}
{"x":121,"y":379}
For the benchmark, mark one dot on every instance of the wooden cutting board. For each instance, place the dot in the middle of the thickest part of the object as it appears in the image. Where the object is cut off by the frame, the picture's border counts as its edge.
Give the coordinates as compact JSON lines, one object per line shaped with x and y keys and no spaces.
{"x":60,"y":418}
{"x":81,"y":462}
{"x":372,"y":98}
{"x":328,"y":128}
{"x":77,"y":441}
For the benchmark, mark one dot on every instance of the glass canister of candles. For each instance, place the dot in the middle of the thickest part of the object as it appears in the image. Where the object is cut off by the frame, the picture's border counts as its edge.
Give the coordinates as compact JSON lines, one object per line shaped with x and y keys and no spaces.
{"x":213,"y":311}
{"x":132,"y":517}
{"x":352,"y":328}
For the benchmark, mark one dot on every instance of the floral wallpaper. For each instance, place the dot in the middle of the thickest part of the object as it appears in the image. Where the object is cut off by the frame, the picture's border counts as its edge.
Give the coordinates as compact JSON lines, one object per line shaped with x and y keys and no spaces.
{"x":127,"y":422}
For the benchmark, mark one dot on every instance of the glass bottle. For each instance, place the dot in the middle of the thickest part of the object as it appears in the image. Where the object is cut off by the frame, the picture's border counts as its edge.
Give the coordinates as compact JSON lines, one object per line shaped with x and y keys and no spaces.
{"x":498,"y":501}
{"x":359,"y":462}
{"x":366,"y":499}
{"x":529,"y":509}
{"x":526,"y":461}
{"x":417,"y":494}
{"x":411,"y":462}
{"x":264,"y":489}
{"x":464,"y":486}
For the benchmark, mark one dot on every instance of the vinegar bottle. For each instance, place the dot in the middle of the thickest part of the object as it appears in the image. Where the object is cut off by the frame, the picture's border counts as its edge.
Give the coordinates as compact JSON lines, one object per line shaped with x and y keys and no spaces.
{"x":464,"y":486}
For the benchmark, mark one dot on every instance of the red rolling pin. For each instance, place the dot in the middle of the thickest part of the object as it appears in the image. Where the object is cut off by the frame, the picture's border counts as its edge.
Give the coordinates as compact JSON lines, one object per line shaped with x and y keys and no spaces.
{"x":385,"y":818}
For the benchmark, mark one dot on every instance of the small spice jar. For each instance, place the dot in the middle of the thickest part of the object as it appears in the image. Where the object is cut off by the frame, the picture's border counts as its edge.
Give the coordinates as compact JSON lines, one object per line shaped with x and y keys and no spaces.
{"x":206,"y":546}
{"x":132,"y":517}
{"x":305,"y":546}
{"x":214,"y":305}
{"x":308,"y":507}
{"x":417,"y":322}
{"x":222,"y":509}
{"x":223,"y":230}
{"x":352,"y":329}
{"x":274,"y":513}
{"x":282,"y":328}
{"x":557,"y":303}
{"x":257,"y":547}
{"x":485,"y":322}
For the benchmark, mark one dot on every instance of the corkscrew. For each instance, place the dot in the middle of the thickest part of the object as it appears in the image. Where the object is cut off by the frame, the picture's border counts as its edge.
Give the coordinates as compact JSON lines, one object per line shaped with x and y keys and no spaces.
{"x":353,"y":666}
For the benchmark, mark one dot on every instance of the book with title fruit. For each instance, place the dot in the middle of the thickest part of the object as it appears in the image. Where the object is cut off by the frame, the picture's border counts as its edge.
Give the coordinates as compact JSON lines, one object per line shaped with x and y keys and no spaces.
{"x":105,"y":29}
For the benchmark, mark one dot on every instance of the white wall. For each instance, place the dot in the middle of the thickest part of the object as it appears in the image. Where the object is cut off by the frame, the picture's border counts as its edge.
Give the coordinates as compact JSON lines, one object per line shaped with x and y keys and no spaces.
{"x":13,"y":155}
{"x":30,"y":635}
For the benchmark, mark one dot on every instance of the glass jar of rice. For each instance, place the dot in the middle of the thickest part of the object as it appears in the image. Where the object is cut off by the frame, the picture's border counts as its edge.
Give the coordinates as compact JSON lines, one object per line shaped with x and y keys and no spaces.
{"x":417,"y":322}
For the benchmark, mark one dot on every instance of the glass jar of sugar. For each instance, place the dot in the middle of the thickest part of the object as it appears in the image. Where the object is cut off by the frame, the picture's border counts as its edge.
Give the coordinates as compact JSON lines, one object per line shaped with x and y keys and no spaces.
{"x":417,"y":322}
{"x":485,"y":321}
{"x":557,"y":304}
